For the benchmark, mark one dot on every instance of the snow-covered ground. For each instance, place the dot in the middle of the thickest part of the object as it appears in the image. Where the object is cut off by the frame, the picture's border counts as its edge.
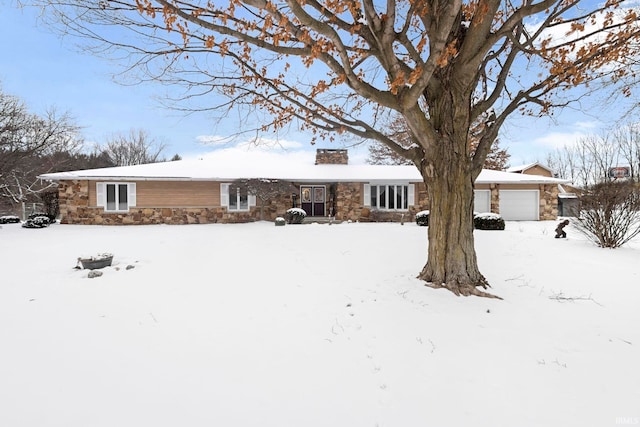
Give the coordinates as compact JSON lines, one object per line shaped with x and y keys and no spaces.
{"x":313,"y":325}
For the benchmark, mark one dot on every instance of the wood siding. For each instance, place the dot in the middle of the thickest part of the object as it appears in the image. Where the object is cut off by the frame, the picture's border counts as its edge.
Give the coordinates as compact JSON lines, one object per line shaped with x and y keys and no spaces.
{"x":170,"y":194}
{"x":537,"y":170}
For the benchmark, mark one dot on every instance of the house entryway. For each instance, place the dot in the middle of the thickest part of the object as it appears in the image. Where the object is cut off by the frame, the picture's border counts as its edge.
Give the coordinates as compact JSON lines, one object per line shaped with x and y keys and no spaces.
{"x":313,"y":199}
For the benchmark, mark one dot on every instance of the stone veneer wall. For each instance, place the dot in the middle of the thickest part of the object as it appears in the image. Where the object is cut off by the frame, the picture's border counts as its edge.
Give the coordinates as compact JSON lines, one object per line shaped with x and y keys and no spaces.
{"x":144,"y":216}
{"x":548,"y":202}
{"x":348,"y":201}
{"x":495,"y":198}
{"x":72,"y":195}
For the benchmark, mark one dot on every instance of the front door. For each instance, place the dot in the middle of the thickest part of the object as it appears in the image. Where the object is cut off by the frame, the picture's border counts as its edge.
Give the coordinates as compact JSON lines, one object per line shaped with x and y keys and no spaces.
{"x":313,"y":199}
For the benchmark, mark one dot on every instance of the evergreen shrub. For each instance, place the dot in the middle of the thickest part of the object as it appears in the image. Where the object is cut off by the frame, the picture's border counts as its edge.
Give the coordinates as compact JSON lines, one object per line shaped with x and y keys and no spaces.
{"x":422,"y":218}
{"x":36,"y":222}
{"x":295,"y":216}
{"x":9,"y":219}
{"x":488,"y":221}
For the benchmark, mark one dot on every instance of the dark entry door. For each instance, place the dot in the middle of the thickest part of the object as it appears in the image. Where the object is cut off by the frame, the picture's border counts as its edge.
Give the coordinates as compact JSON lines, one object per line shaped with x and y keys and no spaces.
{"x":313,"y":199}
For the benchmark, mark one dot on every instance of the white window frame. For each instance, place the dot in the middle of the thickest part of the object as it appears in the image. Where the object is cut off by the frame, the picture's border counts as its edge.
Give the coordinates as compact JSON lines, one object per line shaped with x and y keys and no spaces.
{"x":374,"y":187}
{"x":225,"y":199}
{"x":101,"y":195}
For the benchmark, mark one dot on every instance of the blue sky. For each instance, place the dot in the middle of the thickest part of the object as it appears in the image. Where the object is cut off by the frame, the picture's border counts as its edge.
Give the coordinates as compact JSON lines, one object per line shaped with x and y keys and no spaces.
{"x":44,"y":71}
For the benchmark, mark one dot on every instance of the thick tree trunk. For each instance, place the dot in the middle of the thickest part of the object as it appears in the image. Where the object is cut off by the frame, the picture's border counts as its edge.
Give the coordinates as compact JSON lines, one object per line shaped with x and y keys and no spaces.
{"x":452,"y":262}
{"x":447,"y":170}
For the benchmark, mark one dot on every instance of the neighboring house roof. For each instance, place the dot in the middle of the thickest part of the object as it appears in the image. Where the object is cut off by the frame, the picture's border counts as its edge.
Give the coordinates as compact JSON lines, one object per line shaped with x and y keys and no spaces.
{"x":222,"y":169}
{"x":492,"y":176}
{"x":524,"y":168}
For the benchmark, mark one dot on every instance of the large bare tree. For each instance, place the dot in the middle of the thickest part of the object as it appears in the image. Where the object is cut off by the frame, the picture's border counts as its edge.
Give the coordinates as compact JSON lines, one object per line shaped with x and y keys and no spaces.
{"x":339,"y":66}
{"x":29,"y":145}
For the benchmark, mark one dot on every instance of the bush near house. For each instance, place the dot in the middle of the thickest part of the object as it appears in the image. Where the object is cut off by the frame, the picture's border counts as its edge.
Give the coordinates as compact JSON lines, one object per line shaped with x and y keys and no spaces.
{"x":9,"y":219}
{"x":41,"y":221}
{"x":295,"y":216}
{"x":50,"y":217}
{"x":488,"y":221}
{"x":422,"y":218}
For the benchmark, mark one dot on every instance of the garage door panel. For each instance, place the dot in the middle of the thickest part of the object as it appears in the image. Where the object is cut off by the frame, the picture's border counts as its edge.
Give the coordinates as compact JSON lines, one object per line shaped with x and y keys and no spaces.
{"x":481,"y":201}
{"x":519,"y":205}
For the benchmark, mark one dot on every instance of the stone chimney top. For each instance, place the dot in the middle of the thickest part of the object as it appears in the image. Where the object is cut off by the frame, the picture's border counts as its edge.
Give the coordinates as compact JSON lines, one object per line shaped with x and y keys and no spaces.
{"x":332,"y":156}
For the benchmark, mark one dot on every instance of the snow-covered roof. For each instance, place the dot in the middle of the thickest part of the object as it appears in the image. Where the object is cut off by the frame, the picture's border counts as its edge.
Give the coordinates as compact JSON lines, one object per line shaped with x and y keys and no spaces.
{"x":224,"y":168}
{"x":488,"y":176}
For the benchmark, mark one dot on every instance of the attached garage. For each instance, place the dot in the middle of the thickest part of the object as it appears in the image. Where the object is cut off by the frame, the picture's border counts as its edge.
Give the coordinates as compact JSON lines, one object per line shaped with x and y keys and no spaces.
{"x":520,"y":205}
{"x":482,"y":201}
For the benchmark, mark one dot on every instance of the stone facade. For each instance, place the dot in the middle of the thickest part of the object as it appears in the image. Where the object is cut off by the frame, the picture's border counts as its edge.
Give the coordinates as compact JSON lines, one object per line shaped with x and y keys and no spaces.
{"x":345,"y":200}
{"x":495,"y":199}
{"x":348,"y":201}
{"x":144,"y":216}
{"x":548,"y":202}
{"x":332,"y":156}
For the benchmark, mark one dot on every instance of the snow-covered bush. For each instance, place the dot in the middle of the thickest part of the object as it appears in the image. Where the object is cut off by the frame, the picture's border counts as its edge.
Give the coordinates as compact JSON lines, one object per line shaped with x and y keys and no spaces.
{"x":37,"y":222}
{"x":295,"y":215}
{"x":34,"y":215}
{"x":488,"y":221}
{"x":422,"y":218}
{"x":280,"y":221}
{"x":9,"y":219}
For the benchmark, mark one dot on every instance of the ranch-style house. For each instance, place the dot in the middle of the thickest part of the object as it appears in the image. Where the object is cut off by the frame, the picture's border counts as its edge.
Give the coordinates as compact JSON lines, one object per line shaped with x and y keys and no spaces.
{"x":204,"y":191}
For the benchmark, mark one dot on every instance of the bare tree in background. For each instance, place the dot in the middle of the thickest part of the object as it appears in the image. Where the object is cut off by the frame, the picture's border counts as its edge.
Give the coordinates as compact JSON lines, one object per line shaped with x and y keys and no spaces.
{"x":134,"y":148}
{"x":588,"y":161}
{"x":28,"y":147}
{"x":382,"y":154}
{"x":627,"y":138}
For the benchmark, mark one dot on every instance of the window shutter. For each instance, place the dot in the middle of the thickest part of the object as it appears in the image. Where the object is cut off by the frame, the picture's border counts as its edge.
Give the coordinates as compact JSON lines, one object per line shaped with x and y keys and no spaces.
{"x":101,"y":194}
{"x":367,"y":195}
{"x":252,"y":200}
{"x":224,"y":195}
{"x":412,"y":195}
{"x":132,"y":194}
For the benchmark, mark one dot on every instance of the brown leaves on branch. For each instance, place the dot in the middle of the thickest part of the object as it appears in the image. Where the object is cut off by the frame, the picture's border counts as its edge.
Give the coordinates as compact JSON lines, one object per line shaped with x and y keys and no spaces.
{"x":363,"y":57}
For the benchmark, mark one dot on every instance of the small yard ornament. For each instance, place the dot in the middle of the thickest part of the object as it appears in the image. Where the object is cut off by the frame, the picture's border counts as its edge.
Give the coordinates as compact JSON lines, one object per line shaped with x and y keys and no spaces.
{"x":560,"y":233}
{"x":95,"y":262}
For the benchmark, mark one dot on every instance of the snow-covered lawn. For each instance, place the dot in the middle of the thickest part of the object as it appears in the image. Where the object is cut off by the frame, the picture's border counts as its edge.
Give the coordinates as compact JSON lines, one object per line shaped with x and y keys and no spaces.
{"x":313,"y":325}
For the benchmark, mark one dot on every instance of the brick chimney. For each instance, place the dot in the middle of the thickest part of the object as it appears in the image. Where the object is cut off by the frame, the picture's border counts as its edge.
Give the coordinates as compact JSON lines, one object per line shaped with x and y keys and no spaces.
{"x":332,"y":156}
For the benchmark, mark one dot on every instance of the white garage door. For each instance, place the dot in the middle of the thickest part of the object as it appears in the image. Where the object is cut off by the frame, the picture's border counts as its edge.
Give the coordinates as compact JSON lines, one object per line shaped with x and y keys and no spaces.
{"x":519,"y":205}
{"x":482,"y":201}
